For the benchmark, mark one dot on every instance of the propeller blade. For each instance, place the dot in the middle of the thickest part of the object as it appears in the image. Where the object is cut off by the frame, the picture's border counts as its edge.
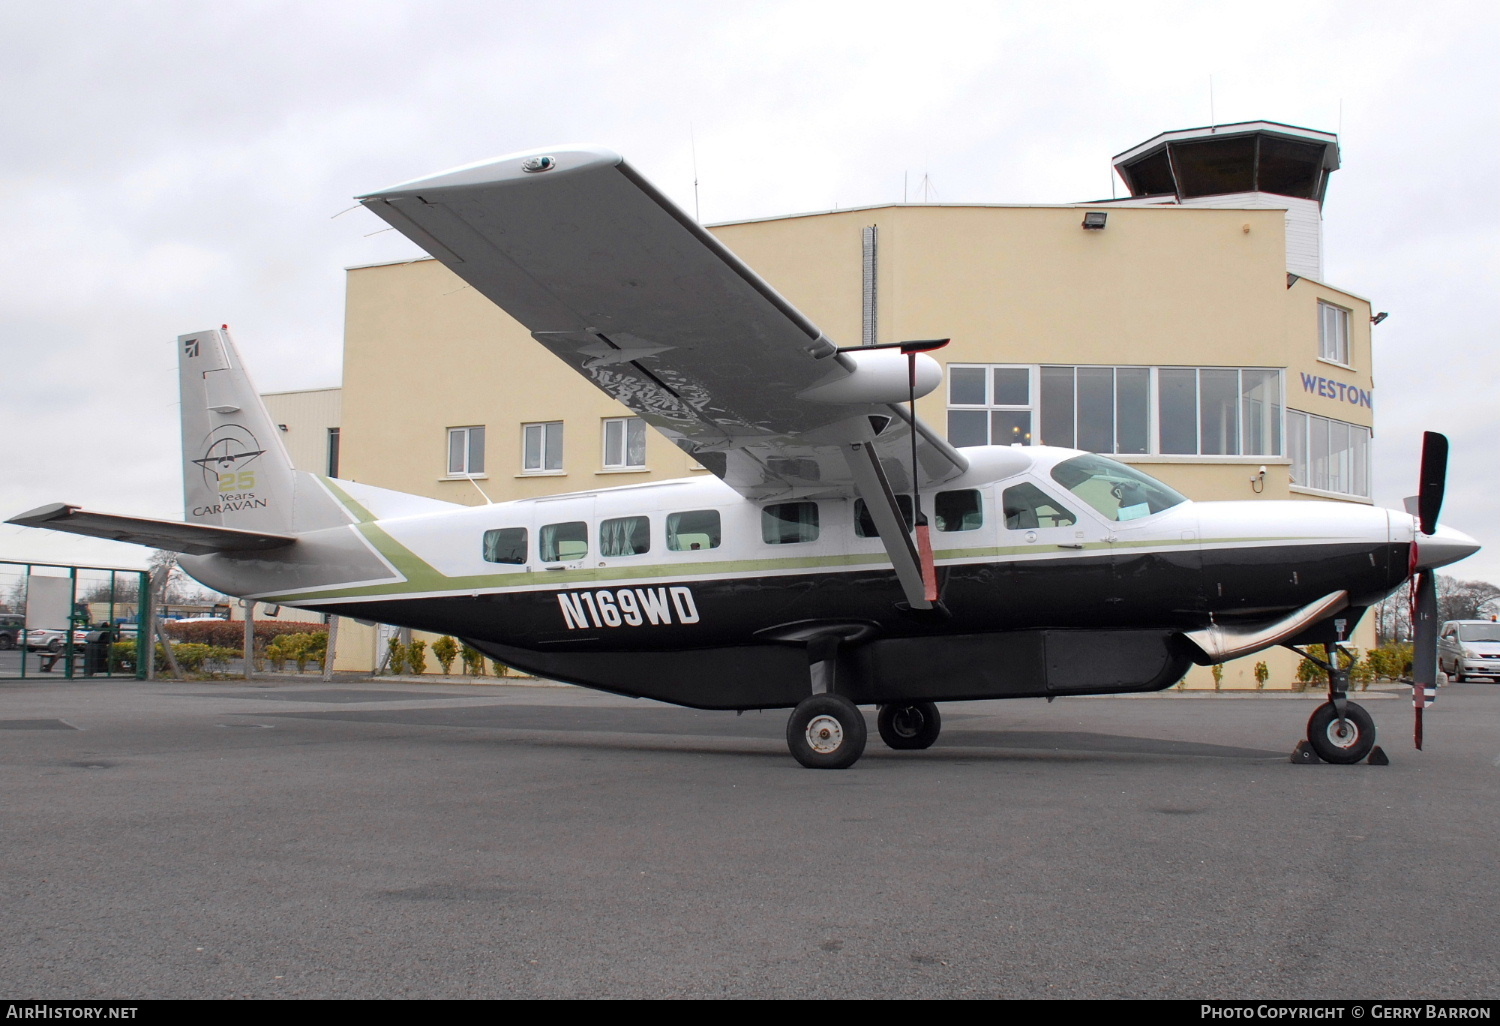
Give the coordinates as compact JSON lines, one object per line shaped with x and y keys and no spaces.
{"x":1434,"y":475}
{"x":1424,"y":645}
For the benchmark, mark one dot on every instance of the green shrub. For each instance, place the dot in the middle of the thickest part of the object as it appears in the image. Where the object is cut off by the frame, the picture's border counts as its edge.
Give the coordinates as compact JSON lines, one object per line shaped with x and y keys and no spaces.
{"x":445,"y":649}
{"x":473,"y":661}
{"x":1262,"y":674}
{"x":501,"y":670}
{"x":395,"y":662}
{"x":416,"y":658}
{"x":122,"y":657}
{"x":1218,"y":672}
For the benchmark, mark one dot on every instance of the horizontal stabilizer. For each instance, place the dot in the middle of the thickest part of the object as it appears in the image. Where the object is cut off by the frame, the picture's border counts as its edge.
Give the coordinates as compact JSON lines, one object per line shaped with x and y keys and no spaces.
{"x":194,"y":539}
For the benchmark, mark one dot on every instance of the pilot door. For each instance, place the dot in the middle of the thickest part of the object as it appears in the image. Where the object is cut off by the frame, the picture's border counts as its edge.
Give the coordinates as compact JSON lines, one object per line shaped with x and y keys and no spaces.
{"x":1054,"y":556}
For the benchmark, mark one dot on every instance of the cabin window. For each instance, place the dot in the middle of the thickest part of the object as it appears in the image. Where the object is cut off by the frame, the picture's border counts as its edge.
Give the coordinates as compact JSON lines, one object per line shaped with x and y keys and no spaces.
{"x":787,"y":523}
{"x":625,"y":443}
{"x":625,"y":536}
{"x":1028,"y":508}
{"x":864,"y":524}
{"x":542,"y":448}
{"x":562,"y":542}
{"x":694,"y":530}
{"x":959,"y":510}
{"x":1115,"y":490}
{"x":505,"y":545}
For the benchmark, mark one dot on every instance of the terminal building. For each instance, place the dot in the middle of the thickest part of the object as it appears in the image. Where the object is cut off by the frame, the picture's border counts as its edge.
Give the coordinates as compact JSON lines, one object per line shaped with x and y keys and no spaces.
{"x":1185,"y":328}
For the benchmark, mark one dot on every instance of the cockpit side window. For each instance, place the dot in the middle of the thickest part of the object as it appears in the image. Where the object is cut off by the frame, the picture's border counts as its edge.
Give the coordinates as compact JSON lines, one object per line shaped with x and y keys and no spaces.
{"x":1028,"y":508}
{"x":1117,"y":491}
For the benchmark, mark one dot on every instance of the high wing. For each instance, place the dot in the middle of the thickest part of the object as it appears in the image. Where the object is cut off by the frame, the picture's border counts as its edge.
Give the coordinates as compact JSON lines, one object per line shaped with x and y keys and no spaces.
{"x":630,"y":292}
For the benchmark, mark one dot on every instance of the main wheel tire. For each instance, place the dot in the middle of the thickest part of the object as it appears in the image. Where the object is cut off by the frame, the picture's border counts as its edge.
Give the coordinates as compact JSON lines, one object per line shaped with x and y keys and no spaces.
{"x":1343,"y":741}
{"x":826,"y":732}
{"x":55,"y":645}
{"x":909,"y":725}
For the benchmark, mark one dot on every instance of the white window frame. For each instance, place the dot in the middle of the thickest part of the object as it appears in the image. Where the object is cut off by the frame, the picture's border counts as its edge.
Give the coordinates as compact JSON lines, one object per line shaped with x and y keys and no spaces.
{"x":626,"y":426}
{"x":1154,"y":443}
{"x":1303,"y":475}
{"x":1032,"y":408}
{"x":1333,"y":334}
{"x":542,"y":431}
{"x":470,"y":457}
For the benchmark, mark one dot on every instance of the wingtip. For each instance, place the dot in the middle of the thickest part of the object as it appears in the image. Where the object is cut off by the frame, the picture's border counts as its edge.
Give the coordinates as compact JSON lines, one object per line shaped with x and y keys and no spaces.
{"x":42,"y":514}
{"x":555,"y":161}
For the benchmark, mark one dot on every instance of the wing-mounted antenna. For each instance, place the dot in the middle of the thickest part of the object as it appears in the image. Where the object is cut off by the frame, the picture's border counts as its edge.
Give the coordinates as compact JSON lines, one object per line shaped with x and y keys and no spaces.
{"x":911,"y":554}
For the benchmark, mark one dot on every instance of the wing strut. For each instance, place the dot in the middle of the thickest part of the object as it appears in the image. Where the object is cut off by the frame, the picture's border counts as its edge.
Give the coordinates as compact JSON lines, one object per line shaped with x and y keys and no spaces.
{"x":871,"y":484}
{"x":926,"y":570}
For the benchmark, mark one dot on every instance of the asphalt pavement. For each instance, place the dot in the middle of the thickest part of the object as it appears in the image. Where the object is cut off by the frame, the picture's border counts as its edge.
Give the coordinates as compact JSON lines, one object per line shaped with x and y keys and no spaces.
{"x":372,"y":839}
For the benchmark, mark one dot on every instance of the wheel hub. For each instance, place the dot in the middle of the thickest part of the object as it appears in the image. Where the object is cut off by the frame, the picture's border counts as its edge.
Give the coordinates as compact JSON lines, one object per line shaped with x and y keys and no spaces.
{"x":1343,"y":734}
{"x":824,"y":734}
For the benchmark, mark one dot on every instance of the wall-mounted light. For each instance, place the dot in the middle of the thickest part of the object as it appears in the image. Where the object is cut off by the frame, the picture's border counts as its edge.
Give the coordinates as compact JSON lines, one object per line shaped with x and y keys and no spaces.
{"x":1094,"y":220}
{"x":1382,"y":315}
{"x":1258,"y":481}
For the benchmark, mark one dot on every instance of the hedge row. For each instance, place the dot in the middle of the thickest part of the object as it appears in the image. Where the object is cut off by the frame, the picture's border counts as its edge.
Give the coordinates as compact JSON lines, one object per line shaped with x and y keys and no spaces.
{"x":231,"y":633}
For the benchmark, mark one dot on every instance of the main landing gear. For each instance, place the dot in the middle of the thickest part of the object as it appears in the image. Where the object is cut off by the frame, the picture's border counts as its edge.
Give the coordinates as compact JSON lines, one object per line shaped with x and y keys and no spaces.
{"x":909,"y":725}
{"x":1338,"y":731}
{"x":827,"y":731}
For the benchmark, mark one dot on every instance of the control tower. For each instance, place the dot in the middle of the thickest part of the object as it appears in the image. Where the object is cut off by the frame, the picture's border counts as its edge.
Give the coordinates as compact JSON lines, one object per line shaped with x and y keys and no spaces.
{"x":1253,"y":164}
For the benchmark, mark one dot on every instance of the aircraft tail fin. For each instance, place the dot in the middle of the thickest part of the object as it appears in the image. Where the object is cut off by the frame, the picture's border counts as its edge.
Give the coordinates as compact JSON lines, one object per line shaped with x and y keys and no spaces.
{"x":236,"y":471}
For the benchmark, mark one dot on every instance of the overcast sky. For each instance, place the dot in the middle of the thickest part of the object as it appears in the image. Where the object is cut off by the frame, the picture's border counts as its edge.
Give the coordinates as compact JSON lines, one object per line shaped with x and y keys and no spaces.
{"x":172,"y":166}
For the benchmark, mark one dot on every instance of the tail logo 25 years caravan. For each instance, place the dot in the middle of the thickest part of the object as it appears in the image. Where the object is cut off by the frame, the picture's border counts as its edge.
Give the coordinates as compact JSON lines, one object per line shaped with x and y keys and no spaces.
{"x":627,"y":607}
{"x":228,"y":452}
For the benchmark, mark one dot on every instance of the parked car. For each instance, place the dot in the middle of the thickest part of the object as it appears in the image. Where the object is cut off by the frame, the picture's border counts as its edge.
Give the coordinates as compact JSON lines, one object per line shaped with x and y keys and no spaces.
{"x":43,"y":638}
{"x":1469,"y":648}
{"x":11,"y":625}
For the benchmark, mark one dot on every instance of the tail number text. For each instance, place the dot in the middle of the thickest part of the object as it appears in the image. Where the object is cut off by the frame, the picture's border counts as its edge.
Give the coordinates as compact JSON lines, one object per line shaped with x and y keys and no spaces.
{"x":627,"y":607}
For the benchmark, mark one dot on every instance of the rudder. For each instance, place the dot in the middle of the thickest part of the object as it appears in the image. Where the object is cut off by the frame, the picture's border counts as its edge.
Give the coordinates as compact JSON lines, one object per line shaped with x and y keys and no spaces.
{"x":236,"y":471}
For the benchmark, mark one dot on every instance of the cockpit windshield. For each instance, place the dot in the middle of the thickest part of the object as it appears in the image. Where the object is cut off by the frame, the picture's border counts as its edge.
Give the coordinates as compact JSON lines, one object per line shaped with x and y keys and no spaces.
{"x":1117,"y":491}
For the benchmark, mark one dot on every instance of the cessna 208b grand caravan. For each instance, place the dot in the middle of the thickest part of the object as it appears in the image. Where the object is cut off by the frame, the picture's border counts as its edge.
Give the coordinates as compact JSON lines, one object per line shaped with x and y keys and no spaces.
{"x":806,"y":573}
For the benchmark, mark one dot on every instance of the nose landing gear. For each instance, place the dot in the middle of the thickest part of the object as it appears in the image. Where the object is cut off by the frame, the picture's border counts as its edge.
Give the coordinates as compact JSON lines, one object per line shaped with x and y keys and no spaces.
{"x":1338,"y":731}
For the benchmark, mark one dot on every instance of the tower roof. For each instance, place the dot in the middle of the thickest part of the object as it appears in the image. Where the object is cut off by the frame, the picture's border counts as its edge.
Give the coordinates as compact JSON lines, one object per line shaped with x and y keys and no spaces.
{"x":1251,"y":156}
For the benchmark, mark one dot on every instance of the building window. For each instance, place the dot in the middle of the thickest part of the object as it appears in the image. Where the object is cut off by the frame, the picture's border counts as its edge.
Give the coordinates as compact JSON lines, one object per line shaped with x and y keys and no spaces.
{"x":990,"y":405}
{"x":1333,"y":333}
{"x":1328,"y":455}
{"x":333,"y":452}
{"x":542,"y":448}
{"x":624,"y":443}
{"x":1131,"y":411}
{"x":465,"y":451}
{"x":1219,"y":411}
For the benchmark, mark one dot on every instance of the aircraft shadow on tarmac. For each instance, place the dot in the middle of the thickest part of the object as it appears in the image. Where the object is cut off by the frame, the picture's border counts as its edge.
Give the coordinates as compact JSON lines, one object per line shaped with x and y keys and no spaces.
{"x":678,"y":722}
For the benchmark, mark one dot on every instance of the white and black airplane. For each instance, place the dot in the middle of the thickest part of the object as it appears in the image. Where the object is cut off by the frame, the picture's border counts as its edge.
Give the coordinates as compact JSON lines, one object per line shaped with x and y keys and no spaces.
{"x":795,"y":576}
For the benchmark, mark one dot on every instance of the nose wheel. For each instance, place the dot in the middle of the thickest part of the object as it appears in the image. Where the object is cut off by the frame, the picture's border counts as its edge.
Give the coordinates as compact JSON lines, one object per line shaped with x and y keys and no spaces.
{"x":826,"y":731}
{"x":1342,"y":739}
